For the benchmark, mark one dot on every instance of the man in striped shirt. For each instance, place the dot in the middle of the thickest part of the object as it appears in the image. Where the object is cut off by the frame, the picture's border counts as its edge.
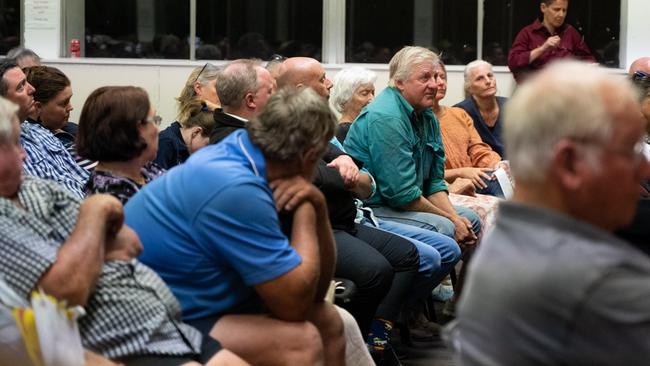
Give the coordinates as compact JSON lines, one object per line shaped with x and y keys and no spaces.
{"x":47,"y":157}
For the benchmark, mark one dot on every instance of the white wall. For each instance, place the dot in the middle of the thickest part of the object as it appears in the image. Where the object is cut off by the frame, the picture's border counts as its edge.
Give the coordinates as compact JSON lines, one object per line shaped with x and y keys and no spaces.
{"x":163,"y":80}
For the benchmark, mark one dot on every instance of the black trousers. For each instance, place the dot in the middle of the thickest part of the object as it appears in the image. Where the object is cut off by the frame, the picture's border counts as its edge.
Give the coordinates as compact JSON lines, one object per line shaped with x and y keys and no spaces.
{"x":382,"y":265}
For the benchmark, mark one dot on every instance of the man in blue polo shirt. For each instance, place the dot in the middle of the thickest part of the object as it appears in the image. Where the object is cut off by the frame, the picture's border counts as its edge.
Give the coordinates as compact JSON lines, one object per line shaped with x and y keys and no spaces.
{"x":210,"y":229}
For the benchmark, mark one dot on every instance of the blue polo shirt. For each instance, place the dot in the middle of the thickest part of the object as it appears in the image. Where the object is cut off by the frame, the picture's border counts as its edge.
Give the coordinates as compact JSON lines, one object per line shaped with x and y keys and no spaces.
{"x":210,"y":229}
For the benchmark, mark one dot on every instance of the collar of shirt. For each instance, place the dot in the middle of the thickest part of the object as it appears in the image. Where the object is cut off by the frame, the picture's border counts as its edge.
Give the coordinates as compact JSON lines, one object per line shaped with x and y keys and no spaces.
{"x":236,"y":116}
{"x":252,"y":153}
{"x":538,"y":26}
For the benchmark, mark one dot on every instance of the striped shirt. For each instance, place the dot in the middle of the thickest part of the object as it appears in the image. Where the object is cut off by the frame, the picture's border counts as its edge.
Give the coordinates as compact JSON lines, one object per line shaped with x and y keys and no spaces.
{"x":47,"y":158}
{"x":130,"y":312}
{"x":67,"y":137}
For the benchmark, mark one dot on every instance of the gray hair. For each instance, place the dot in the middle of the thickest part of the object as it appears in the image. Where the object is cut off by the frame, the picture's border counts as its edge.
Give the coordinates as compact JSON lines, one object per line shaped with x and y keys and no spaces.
{"x":402,"y":63}
{"x":236,"y":80}
{"x":291,"y":122}
{"x":19,"y":54}
{"x":564,"y":101}
{"x":469,"y":69}
{"x":8,"y":111}
{"x":346,"y":83}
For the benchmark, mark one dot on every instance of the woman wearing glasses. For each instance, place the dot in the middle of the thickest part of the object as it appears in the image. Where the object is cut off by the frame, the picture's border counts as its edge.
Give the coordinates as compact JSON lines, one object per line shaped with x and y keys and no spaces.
{"x":192,"y":129}
{"x":119,"y":130}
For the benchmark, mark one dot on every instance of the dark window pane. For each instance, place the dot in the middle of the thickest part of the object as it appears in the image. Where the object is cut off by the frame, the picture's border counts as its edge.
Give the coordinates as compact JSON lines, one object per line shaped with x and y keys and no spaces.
{"x":376,"y":29}
{"x":231,"y":29}
{"x":597,"y":21}
{"x":137,"y":29}
{"x":9,"y":25}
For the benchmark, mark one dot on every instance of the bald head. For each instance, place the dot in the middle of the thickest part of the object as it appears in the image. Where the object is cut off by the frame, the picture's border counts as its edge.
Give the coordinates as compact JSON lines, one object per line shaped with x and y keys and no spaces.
{"x":300,"y":72}
{"x":640,"y":64}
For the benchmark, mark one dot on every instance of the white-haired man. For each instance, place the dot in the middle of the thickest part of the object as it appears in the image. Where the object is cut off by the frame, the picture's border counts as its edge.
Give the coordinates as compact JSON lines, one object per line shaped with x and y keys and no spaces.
{"x":551,"y":280}
{"x":397,"y":137}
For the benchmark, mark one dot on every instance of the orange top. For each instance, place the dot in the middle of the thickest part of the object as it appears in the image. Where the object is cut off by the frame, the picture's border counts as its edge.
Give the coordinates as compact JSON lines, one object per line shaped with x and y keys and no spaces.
{"x":463,"y":145}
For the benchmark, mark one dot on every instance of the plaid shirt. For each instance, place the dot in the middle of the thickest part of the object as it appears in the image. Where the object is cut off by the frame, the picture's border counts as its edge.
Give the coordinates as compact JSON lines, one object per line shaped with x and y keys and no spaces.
{"x":130,"y":312}
{"x":47,"y":158}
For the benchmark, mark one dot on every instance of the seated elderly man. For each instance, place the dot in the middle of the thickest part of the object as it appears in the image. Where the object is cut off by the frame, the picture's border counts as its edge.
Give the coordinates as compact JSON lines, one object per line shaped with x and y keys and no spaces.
{"x":551,"y":280}
{"x":397,"y":138}
{"x":47,"y":157}
{"x":210,"y":228}
{"x":80,"y":252}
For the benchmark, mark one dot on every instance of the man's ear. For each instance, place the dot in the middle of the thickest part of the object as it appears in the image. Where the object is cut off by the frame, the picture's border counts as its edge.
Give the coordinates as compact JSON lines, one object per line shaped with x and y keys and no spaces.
{"x":399,"y":84}
{"x":249,"y":100}
{"x":567,"y":166}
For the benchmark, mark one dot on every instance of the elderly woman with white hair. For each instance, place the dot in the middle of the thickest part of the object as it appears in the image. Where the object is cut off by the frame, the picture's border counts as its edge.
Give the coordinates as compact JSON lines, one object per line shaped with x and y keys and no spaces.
{"x":483,"y":104}
{"x":354,"y":88}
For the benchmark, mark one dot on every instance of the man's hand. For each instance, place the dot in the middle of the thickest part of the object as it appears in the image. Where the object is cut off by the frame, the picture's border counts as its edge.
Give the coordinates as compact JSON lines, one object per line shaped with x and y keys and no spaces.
{"x":348,"y":170}
{"x":551,"y":42}
{"x":106,"y":208}
{"x":462,"y":186}
{"x":464,"y":233}
{"x":291,"y":192}
{"x":478,"y":176}
{"x":124,"y":246}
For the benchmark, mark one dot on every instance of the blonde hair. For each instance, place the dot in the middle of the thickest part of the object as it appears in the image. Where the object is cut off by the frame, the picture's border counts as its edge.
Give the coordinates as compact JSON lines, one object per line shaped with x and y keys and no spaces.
{"x":402,"y":63}
{"x":201,"y":75}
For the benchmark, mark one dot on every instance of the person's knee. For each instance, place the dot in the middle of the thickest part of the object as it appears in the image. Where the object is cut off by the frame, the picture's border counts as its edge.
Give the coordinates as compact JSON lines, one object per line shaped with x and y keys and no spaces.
{"x":306,"y":348}
{"x":474,"y":219}
{"x":451,"y":253}
{"x":445,"y":227}
{"x":375,"y":279}
{"x":430,"y":259}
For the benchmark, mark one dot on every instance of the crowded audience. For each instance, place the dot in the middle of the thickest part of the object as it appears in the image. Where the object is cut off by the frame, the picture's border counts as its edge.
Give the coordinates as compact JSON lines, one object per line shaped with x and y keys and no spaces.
{"x":228,"y":237}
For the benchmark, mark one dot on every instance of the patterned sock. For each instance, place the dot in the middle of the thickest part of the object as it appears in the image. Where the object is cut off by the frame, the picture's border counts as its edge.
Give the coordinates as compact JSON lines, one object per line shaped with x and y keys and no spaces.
{"x":379,"y":334}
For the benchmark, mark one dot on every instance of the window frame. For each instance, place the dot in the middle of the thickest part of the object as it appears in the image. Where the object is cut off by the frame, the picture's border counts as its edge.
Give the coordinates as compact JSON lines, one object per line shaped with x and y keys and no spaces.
{"x":333,"y":32}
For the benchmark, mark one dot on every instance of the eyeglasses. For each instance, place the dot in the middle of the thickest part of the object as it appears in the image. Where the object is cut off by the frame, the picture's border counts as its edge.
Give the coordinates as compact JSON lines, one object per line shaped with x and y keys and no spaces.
{"x":156,"y":120}
{"x":640,"y":74}
{"x":208,"y":66}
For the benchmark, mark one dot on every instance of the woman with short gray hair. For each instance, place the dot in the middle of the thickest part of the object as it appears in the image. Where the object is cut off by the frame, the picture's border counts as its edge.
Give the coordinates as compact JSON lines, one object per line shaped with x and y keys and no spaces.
{"x":354,"y":88}
{"x":483,"y":104}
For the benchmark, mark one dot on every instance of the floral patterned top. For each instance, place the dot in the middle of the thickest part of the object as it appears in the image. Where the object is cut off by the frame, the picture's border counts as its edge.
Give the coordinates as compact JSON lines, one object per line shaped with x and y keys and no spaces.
{"x":118,"y":186}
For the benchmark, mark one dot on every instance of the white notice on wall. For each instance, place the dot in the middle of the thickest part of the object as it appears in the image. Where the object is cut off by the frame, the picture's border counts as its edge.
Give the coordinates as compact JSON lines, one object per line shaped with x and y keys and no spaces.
{"x":41,"y":14}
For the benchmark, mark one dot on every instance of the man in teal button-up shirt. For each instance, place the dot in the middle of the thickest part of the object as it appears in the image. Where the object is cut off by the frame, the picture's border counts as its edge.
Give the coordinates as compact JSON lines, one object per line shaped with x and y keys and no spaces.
{"x":398,"y":139}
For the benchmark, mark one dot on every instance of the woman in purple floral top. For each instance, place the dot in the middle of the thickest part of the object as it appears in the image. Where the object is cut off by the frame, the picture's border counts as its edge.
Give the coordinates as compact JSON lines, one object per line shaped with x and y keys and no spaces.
{"x":119,"y":129}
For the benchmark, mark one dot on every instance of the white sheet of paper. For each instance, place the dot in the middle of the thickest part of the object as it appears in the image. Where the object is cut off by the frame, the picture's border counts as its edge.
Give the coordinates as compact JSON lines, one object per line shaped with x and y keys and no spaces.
{"x":504,"y":182}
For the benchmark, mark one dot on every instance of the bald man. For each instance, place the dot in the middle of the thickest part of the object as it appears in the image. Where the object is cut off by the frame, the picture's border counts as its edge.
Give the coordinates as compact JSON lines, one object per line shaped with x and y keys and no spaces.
{"x":305,"y":71}
{"x":640,"y":64}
